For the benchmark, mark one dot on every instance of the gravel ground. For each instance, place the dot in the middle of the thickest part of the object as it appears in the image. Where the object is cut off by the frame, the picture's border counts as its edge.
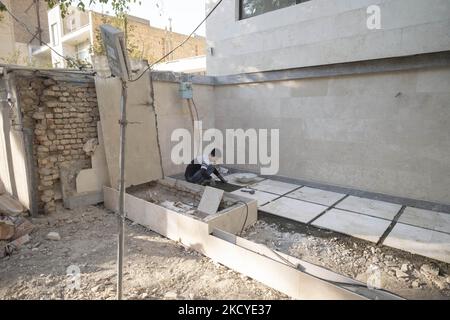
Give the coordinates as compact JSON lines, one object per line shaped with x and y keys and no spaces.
{"x":410,"y":276}
{"x":154,"y":267}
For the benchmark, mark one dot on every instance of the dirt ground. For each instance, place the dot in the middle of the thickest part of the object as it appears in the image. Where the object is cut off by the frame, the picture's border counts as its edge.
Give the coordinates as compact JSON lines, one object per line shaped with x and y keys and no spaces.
{"x":410,"y":276}
{"x":154,"y":267}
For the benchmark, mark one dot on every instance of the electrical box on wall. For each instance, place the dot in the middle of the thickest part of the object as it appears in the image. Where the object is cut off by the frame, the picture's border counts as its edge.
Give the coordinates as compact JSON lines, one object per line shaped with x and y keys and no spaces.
{"x":186,"y":90}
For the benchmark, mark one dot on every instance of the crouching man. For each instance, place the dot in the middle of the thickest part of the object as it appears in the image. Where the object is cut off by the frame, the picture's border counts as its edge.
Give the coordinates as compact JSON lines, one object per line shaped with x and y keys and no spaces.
{"x":200,"y":170}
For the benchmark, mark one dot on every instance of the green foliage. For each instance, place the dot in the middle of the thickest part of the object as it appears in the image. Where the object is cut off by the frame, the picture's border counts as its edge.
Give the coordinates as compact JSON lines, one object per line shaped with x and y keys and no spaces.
{"x":120,"y":7}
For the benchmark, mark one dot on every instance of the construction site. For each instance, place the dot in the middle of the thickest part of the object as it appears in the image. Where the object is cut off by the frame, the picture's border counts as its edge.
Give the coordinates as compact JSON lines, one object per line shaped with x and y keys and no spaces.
{"x":317,"y":170}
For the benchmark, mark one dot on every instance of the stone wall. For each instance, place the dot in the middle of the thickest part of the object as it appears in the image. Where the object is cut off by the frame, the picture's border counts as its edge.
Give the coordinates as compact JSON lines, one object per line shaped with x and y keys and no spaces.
{"x":63,"y":115}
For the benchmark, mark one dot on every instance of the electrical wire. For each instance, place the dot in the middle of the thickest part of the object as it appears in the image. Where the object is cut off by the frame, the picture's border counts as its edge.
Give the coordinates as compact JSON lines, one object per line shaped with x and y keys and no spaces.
{"x":199,"y":145}
{"x":33,"y":34}
{"x":246,"y":215}
{"x":179,"y":45}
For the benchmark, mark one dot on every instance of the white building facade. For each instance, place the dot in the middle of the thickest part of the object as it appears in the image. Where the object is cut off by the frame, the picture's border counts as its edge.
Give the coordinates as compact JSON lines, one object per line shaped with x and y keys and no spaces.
{"x":260,"y":35}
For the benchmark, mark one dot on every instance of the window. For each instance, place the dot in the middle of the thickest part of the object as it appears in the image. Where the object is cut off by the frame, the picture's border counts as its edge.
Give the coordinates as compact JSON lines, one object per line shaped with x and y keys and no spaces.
{"x":251,"y":8}
{"x":55,"y":36}
{"x":83,"y":52}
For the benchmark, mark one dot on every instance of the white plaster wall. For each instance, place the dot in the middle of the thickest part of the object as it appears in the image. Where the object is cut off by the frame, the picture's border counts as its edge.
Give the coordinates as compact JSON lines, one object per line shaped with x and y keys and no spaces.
{"x":321,"y":32}
{"x":386,"y":133}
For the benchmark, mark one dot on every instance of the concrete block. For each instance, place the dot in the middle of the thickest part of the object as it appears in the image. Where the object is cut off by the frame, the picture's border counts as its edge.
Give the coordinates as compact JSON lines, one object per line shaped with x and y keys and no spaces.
{"x":210,"y":201}
{"x":83,"y":200}
{"x":428,"y":243}
{"x":10,"y":206}
{"x":316,"y":195}
{"x":437,"y":221}
{"x":353,"y":224}
{"x":375,"y":208}
{"x":260,"y":196}
{"x":293,"y":209}
{"x":273,"y":186}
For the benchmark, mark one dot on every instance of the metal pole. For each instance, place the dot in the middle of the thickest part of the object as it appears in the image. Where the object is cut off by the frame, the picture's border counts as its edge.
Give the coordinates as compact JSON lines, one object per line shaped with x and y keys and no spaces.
{"x":38,"y":16}
{"x":121,"y":216}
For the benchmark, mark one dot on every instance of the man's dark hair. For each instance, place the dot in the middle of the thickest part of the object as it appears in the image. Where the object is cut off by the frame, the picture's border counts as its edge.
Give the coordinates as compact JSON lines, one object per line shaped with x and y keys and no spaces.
{"x":213,"y":152}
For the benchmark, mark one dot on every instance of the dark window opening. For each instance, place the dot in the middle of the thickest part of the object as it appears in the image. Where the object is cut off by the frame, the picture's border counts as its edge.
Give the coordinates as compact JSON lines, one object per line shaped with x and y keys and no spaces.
{"x":251,"y":8}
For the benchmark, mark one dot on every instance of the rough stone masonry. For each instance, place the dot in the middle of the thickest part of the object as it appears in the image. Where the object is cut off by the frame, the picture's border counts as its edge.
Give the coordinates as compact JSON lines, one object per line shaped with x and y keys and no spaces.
{"x":63,"y":115}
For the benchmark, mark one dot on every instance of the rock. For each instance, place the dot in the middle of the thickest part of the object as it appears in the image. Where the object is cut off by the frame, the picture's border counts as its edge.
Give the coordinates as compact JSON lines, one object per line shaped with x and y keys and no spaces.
{"x":22,"y":227}
{"x":448,"y":279}
{"x":144,"y":295}
{"x":53,"y":236}
{"x":401,"y":274}
{"x":6,"y":229}
{"x":390,"y":264}
{"x":170,"y":295}
{"x":429,"y":270}
{"x":96,"y":288}
{"x":404,"y":267}
{"x":10,"y":206}
{"x":416,"y":284}
{"x":440,"y":282}
{"x":2,"y":187}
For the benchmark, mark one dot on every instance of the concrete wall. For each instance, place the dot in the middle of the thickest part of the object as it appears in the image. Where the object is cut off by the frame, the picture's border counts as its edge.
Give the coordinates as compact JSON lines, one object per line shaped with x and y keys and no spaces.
{"x":7,"y":40}
{"x":13,"y":170}
{"x":321,"y":32}
{"x":173,"y":113}
{"x":386,"y":132}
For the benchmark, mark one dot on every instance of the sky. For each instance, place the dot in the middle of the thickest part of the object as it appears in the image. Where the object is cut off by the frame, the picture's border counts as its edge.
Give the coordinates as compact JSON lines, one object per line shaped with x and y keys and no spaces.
{"x":185,"y":14}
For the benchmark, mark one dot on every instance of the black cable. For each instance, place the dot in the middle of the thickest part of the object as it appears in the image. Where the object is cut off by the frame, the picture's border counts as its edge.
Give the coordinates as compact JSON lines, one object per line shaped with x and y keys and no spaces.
{"x":31,"y":33}
{"x":246,"y":215}
{"x":196,"y":110}
{"x":179,"y":45}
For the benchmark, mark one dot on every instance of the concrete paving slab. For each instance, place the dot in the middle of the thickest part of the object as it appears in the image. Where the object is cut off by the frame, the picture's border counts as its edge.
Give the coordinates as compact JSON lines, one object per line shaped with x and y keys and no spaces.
{"x":433,"y":220}
{"x":260,"y":196}
{"x":294,"y":209}
{"x":375,"y":208}
{"x":274,"y":186}
{"x":210,"y":201}
{"x":353,"y":224}
{"x":143,"y":163}
{"x":428,"y":243}
{"x":316,"y":195}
